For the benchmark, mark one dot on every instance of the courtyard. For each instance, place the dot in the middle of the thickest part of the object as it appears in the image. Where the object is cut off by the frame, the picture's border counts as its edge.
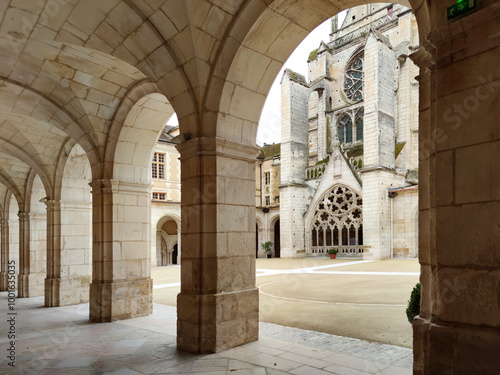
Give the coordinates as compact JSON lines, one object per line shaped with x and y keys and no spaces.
{"x":351,"y":298}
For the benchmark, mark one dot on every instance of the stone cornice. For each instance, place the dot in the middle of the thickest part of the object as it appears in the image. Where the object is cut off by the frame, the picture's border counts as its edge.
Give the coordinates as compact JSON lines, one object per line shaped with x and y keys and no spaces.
{"x":205,"y":146}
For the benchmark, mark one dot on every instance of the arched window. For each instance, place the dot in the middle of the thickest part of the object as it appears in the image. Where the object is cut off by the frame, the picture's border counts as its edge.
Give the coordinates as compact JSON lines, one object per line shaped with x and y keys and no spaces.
{"x":338,"y":222}
{"x":345,"y":129}
{"x":353,"y":79}
{"x":359,"y":125}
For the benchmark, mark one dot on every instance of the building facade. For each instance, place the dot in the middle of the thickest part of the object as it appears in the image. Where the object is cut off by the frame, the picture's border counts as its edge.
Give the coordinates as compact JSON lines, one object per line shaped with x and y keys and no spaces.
{"x":349,"y":155}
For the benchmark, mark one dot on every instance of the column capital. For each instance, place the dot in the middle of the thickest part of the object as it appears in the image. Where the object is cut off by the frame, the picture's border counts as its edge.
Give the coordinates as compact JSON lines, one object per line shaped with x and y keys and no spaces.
{"x":423,"y":57}
{"x":119,"y":186}
{"x":23,"y":215}
{"x":205,"y":146}
{"x":52,"y":204}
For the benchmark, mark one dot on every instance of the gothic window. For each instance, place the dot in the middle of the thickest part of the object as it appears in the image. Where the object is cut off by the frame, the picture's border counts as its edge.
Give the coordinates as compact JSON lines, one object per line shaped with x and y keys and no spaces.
{"x":359,"y":125}
{"x":353,"y":80}
{"x":338,"y":222}
{"x":345,"y":129}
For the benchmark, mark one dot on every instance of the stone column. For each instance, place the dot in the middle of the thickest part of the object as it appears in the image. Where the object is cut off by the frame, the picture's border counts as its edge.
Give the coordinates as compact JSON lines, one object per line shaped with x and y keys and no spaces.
{"x":218,"y":305}
{"x":459,"y":323}
{"x":121,"y":274}
{"x":24,"y":255}
{"x":4,"y":255}
{"x":53,"y":279}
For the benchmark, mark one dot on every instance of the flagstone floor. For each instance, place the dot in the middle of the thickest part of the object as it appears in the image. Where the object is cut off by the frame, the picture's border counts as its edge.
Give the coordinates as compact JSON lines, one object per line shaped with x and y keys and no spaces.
{"x":61,"y":341}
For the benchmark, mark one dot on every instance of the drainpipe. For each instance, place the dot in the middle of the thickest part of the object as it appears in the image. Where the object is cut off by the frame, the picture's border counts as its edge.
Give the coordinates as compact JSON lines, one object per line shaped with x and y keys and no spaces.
{"x":392,"y":195}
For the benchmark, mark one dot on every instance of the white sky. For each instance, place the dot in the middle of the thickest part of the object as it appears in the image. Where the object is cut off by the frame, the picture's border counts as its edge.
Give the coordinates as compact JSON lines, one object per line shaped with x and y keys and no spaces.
{"x":270,"y":120}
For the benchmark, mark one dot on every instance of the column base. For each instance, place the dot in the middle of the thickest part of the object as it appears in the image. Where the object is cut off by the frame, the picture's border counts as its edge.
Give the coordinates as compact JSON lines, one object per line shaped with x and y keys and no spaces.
{"x":3,"y":281}
{"x":65,"y":292}
{"x":120,"y":300}
{"x":216,"y":322}
{"x":451,"y":349}
{"x":31,"y":285}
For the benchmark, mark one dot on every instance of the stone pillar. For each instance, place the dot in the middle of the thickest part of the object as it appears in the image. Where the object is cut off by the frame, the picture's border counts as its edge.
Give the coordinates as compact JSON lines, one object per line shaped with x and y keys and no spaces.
{"x":178,"y":244}
{"x":459,"y":323}
{"x":53,"y":279}
{"x":379,"y":138}
{"x":218,"y":307}
{"x":121,"y":274}
{"x":24,"y":255}
{"x":4,"y":255}
{"x":294,"y":160}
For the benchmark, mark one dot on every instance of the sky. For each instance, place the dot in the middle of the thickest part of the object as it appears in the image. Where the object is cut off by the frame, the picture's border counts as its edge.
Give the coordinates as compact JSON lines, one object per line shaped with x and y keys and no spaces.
{"x":269,"y":130}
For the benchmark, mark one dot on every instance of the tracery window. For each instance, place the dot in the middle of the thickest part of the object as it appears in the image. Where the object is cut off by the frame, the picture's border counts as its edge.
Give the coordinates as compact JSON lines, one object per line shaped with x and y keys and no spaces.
{"x":338,"y":222}
{"x":353,"y":80}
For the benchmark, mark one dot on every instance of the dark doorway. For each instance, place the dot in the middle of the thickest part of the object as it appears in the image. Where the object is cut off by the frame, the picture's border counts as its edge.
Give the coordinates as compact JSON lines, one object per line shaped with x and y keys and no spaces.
{"x":277,"y":253}
{"x":174,"y":255}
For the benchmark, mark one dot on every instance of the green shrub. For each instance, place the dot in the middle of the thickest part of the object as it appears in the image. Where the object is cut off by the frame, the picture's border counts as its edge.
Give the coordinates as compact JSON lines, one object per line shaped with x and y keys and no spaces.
{"x":413,"y":308}
{"x":332,"y":251}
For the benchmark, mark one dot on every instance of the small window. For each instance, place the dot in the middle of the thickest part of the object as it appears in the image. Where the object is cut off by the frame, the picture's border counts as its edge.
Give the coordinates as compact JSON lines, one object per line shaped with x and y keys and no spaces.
{"x":158,"y":167}
{"x":267,"y":178}
{"x":277,"y":199}
{"x":159,"y":196}
{"x":268,"y":200}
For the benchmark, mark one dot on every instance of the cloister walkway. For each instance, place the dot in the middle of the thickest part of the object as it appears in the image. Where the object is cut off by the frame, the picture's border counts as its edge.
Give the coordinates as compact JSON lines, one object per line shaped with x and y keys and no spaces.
{"x":60,"y":340}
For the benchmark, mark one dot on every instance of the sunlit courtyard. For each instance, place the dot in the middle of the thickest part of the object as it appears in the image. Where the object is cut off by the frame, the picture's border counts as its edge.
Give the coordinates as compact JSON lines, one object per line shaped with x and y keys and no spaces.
{"x":360,"y":299}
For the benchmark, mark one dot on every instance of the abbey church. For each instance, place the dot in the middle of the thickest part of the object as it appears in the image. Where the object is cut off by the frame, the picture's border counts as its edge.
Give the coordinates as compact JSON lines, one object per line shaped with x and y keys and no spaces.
{"x":349,"y":150}
{"x":86,"y":88}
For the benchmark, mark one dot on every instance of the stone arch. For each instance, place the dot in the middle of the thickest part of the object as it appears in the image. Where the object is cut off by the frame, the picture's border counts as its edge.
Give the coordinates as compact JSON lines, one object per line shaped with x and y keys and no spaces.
{"x":257,"y":60}
{"x":70,"y":210}
{"x":134,"y":139}
{"x":166,"y":238}
{"x":37,"y":267}
{"x":274,"y":236}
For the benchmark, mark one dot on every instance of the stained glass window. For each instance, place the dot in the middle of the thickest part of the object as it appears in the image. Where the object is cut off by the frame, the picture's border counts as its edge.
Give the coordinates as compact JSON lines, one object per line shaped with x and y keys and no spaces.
{"x":353,"y":80}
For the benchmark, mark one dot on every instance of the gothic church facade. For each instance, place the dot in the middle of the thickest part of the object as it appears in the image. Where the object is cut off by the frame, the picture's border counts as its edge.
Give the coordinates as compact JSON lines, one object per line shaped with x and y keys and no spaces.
{"x":349,"y":155}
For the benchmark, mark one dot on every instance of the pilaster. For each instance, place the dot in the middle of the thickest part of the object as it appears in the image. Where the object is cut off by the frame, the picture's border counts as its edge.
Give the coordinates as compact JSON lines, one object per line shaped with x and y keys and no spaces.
{"x":457,"y":330}
{"x":4,"y":255}
{"x":24,"y":255}
{"x":53,"y":279}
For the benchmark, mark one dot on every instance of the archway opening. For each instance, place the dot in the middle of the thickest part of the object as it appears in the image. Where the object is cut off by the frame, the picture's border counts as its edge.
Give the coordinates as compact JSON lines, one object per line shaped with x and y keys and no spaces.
{"x":329,"y":119}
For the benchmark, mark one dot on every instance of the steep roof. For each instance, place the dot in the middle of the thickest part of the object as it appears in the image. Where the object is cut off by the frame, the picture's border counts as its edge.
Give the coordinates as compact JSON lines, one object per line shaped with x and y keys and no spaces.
{"x":165,"y":135}
{"x":295,"y":77}
{"x":269,"y":151}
